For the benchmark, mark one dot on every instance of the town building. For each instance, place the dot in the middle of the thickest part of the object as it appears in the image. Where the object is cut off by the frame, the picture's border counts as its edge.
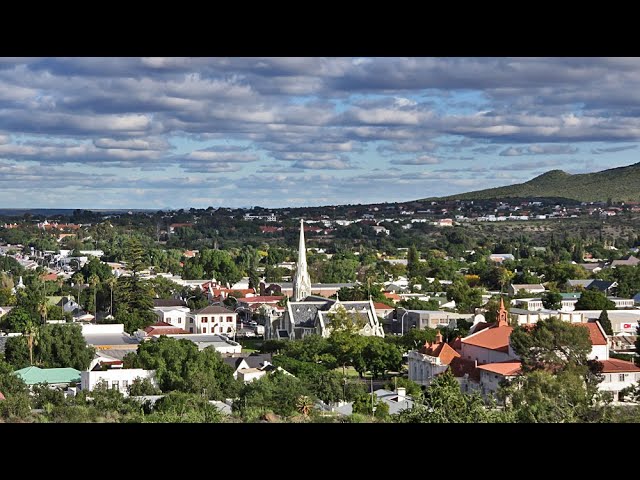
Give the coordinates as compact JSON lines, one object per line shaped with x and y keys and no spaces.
{"x":54,"y":377}
{"x":515,"y":288}
{"x":212,"y":319}
{"x":119,"y":379}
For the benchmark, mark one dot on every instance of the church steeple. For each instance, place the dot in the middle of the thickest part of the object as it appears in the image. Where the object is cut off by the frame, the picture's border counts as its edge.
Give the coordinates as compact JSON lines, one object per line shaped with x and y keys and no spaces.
{"x":301,"y":281}
{"x":503,"y":318}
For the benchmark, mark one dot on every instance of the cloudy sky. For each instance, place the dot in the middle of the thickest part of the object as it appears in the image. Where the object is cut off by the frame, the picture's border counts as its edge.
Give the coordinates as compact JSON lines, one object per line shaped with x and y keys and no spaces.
{"x":198,"y":132}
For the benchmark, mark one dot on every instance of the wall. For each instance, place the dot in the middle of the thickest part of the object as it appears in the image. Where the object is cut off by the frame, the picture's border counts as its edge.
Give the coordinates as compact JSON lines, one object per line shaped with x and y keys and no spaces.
{"x":88,"y":329}
{"x":611,"y":382}
{"x":483,"y":355}
{"x":89,"y":379}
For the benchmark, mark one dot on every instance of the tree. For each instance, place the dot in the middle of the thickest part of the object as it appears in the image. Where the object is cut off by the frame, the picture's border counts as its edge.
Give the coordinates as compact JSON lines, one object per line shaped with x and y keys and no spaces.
{"x":594,"y":300}
{"x":342,"y":320}
{"x":413,"y":262}
{"x":379,"y":356}
{"x":143,"y":386}
{"x":551,"y":344}
{"x":94,"y":280}
{"x":552,"y":300}
{"x":570,"y":395}
{"x":444,"y":402}
{"x":605,"y":322}
{"x":181,"y":407}
{"x":16,"y":320}
{"x":277,"y":393}
{"x":181,"y":367}
{"x":304,"y":404}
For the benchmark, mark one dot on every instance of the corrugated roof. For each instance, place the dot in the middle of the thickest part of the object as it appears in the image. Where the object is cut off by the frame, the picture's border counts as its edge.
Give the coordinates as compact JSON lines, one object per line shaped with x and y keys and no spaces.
{"x":34,"y":375}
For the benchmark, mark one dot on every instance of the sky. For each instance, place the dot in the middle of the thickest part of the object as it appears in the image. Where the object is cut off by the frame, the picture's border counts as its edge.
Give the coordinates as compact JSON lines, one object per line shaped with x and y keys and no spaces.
{"x":169,"y":133}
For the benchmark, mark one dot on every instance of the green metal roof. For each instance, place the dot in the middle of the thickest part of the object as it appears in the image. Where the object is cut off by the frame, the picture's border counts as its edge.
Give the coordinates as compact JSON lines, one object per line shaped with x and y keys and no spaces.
{"x":34,"y":375}
{"x":569,"y":296}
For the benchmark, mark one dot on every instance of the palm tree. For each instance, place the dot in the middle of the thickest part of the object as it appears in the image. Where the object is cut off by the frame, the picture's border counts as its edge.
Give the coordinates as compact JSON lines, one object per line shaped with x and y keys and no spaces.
{"x":42,"y":310}
{"x":304,"y":404}
{"x":78,"y":279}
{"x":111,"y":282}
{"x":94,"y":280}
{"x":32,"y":333}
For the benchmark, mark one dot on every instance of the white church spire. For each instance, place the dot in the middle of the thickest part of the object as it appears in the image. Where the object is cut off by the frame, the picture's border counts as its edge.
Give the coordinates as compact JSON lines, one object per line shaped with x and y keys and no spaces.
{"x":301,"y":281}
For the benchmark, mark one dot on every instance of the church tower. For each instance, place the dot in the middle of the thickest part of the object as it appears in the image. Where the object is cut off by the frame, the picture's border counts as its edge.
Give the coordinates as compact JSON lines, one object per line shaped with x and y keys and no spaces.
{"x":503,"y":316}
{"x":301,"y":281}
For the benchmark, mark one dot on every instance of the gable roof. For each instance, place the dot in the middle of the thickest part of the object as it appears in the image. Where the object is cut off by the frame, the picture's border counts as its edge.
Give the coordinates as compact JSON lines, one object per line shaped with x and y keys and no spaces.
{"x":595,"y":333}
{"x":494,"y":338}
{"x":441,"y":350}
{"x":511,"y":367}
{"x":381,"y":306}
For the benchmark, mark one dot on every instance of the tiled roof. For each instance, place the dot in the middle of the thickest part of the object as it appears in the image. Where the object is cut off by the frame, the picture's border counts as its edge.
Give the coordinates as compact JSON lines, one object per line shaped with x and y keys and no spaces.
{"x":460,"y":366}
{"x":494,"y":338}
{"x":614,"y":365}
{"x":595,"y":334}
{"x":511,"y":367}
{"x":381,"y":306}
{"x":440,"y":350}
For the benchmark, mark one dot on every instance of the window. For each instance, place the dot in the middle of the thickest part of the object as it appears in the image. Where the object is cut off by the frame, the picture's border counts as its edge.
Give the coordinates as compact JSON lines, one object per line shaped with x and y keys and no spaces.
{"x":205,"y":319}
{"x":204,"y":329}
{"x":190,"y":329}
{"x":168,"y":319}
{"x":115,"y":385}
{"x":125,"y":384}
{"x":229,"y":319}
{"x":621,"y":377}
{"x":179,"y":319}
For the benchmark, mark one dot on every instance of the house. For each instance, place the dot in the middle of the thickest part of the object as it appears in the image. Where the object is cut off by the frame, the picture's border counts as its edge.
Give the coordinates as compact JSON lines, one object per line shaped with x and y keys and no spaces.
{"x":111,"y":337}
{"x":115,"y":378}
{"x":618,"y":375}
{"x":173,"y":315}
{"x":593,"y":267}
{"x":516,"y":288}
{"x":622,"y":302}
{"x":528,"y":303}
{"x":501,"y":257}
{"x":528,"y":317}
{"x":630,"y":261}
{"x":220,"y":343}
{"x":383,"y":311}
{"x":160,"y":328}
{"x":422,"y":319}
{"x":430,"y":360}
{"x":54,"y":377}
{"x":246,"y":362}
{"x":569,"y":300}
{"x":396,"y":401}
{"x":604,"y":286}
{"x":212,"y":319}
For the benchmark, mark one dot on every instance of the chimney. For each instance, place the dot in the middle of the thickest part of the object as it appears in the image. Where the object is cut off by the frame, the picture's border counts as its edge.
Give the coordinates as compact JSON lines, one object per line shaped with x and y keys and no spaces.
{"x":439,"y":337}
{"x":402,"y":392}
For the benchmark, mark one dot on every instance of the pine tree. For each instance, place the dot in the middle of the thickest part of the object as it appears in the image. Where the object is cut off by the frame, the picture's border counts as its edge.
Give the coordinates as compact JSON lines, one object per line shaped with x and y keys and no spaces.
{"x":605,"y":322}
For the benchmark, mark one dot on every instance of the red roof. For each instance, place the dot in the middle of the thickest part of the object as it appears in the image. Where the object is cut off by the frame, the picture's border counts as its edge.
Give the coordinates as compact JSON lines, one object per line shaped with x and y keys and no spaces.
{"x":163,"y":328}
{"x":460,"y":366}
{"x":381,"y":306}
{"x":614,"y":365}
{"x":50,"y":277}
{"x":441,"y":350}
{"x":392,"y":296}
{"x":511,"y":367}
{"x":494,"y":338}
{"x":595,"y":334}
{"x":266,"y":229}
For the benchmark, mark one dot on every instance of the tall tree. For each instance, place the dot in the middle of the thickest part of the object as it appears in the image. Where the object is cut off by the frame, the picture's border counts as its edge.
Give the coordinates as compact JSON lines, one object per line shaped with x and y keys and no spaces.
{"x":552,"y":300}
{"x":594,"y":300}
{"x":605,"y":322}
{"x":551,"y":344}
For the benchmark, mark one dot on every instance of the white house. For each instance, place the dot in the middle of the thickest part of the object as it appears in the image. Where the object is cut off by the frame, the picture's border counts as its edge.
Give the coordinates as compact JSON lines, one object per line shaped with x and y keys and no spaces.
{"x":534,"y":288}
{"x":430,"y":360}
{"x":524,"y":317}
{"x":116,"y":379}
{"x":212,"y":319}
{"x":176,"y":316}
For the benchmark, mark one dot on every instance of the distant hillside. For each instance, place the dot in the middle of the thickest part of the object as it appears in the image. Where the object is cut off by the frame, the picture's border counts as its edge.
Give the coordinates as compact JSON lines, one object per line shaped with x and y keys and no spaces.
{"x":618,"y":184}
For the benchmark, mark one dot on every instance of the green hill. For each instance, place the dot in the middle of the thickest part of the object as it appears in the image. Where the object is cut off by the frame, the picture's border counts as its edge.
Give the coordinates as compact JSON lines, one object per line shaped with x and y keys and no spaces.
{"x":617,"y":184}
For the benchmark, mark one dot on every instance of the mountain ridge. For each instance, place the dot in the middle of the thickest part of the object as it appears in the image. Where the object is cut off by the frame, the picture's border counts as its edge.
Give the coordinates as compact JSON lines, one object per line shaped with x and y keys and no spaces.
{"x":619,"y":184}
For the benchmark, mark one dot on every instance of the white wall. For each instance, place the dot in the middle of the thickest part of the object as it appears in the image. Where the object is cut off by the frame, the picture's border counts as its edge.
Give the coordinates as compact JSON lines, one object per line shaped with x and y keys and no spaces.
{"x":422,"y":370}
{"x":600,"y":351}
{"x":483,"y":355}
{"x":612,"y":382}
{"x":89,"y":379}
{"x":176,"y":317}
